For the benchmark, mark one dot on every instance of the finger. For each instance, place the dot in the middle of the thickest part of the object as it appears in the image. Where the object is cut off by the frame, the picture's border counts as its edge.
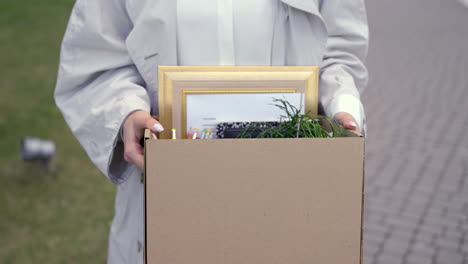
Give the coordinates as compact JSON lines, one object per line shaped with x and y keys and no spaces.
{"x":133,"y":153}
{"x":154,"y":125}
{"x":350,"y":124}
{"x":140,"y":161}
{"x":347,"y":121}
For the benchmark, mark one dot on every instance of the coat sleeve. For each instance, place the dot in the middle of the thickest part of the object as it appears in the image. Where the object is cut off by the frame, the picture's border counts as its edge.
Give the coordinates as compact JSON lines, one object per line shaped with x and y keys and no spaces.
{"x":343,"y":73}
{"x":98,"y":85}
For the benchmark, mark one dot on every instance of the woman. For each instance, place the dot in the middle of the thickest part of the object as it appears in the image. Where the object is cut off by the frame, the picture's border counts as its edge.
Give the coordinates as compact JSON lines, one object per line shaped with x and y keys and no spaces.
{"x":107,"y":81}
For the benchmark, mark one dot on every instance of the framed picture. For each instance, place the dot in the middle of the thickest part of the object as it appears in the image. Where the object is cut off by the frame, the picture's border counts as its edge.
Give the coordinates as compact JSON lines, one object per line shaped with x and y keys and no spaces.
{"x":201,"y":96}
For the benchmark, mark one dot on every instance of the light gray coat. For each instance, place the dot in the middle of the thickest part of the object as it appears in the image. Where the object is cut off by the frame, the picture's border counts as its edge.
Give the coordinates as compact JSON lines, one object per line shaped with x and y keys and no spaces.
{"x":108,"y":68}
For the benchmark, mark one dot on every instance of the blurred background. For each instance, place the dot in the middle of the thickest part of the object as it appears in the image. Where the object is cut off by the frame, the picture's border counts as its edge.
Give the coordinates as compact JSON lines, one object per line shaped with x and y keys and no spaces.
{"x":61,"y":215}
{"x":416,"y":194}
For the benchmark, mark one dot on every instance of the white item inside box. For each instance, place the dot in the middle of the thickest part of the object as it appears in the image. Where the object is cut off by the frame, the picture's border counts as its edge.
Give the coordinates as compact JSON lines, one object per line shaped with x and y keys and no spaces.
{"x":205,"y":111}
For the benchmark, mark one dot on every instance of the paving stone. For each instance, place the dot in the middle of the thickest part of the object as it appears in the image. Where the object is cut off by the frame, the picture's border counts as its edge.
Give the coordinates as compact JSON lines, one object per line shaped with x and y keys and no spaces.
{"x":434,"y":215}
{"x":453,"y":215}
{"x":396,"y":248}
{"x":371,"y":239}
{"x":425,"y":237}
{"x":464,"y":245}
{"x":404,"y":223}
{"x":367,"y":259}
{"x":419,"y":259}
{"x":377,"y":229}
{"x":432,"y":228}
{"x":443,"y":196}
{"x":403,"y":233}
{"x":422,"y":248}
{"x":453,"y":234}
{"x":389,"y":259}
{"x":463,"y":225}
{"x":449,"y":244}
{"x":370,"y":249}
{"x":449,"y":256}
{"x":413,"y":210}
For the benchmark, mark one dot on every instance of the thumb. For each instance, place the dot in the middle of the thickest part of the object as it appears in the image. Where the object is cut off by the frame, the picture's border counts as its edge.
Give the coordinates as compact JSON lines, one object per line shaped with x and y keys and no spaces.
{"x":154,"y":125}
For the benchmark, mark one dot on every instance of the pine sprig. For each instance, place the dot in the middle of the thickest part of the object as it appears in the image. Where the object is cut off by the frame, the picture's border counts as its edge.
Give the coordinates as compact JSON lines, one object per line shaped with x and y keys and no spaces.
{"x":293,"y":124}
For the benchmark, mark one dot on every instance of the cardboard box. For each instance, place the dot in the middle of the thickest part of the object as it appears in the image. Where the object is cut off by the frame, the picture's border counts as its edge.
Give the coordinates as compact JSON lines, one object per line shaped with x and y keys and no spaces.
{"x":259,"y":201}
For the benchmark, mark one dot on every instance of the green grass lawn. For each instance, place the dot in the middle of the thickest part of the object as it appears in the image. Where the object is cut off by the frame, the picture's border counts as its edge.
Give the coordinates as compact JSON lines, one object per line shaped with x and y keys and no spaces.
{"x":61,"y":216}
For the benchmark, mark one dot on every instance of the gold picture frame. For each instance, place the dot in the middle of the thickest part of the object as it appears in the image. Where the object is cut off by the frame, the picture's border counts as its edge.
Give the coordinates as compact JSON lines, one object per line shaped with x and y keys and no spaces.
{"x":176,"y":82}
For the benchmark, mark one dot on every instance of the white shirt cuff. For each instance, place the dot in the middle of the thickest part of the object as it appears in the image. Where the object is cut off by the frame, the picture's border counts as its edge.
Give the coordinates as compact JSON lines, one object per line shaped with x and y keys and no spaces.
{"x":349,"y":104}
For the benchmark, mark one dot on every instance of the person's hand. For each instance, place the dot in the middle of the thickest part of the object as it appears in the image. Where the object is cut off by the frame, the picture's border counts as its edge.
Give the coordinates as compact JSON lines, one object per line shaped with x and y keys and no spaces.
{"x":133,"y":131}
{"x":348,"y":121}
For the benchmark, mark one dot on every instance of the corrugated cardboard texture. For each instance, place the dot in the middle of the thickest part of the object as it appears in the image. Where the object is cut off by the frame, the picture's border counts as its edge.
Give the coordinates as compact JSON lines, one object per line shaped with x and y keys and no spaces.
{"x":259,"y":201}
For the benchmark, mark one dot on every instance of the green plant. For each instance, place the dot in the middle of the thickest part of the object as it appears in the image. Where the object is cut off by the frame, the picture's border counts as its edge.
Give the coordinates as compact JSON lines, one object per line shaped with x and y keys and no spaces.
{"x":293,"y":124}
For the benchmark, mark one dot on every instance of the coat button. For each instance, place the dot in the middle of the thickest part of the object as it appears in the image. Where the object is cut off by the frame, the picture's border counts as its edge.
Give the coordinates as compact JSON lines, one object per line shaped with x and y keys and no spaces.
{"x":140,"y":246}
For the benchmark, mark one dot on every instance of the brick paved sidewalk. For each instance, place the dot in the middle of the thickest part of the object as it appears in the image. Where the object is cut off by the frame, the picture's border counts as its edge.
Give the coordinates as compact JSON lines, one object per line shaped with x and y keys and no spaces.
{"x":416,"y":197}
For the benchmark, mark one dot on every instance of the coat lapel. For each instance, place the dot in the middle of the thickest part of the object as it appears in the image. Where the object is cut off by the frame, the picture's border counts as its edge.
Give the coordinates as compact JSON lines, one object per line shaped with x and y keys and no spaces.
{"x":300,"y":34}
{"x":308,"y":6}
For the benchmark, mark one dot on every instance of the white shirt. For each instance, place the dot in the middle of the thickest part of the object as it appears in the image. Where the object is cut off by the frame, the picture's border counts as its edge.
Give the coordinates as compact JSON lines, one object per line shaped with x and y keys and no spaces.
{"x":233,"y":28}
{"x":229,"y":32}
